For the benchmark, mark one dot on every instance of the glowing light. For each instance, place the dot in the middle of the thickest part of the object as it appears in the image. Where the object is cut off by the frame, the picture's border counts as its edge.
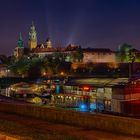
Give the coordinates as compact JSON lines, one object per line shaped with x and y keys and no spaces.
{"x":113,"y":65}
{"x":57,"y":89}
{"x":85,"y":88}
{"x":62,"y":73}
{"x":83,"y":107}
{"x":48,"y":81}
{"x":37,"y":100}
{"x":44,"y":73}
{"x":92,"y":106}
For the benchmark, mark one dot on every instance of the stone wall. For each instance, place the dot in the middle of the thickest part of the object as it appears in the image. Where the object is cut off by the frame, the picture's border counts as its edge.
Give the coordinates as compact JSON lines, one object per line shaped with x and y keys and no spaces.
{"x":110,"y":123}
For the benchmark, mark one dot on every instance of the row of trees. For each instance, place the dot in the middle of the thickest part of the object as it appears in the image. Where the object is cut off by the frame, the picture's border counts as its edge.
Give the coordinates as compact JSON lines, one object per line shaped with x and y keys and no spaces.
{"x":52,"y":64}
{"x":35,"y":66}
{"x":56,"y":63}
{"x":126,"y":53}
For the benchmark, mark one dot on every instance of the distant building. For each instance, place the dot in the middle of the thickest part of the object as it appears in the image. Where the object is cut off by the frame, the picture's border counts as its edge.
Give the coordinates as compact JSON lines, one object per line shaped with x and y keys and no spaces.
{"x":126,"y":98}
{"x":48,"y":43}
{"x":116,"y":95}
{"x":100,"y":90}
{"x":99,"y":55}
{"x":19,"y":50}
{"x":5,"y":72}
{"x":32,"y":42}
{"x":90,"y":55}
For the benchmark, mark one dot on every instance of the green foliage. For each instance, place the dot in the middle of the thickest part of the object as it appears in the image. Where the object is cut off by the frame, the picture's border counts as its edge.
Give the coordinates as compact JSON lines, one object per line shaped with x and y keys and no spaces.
{"x":20,"y":66}
{"x":137,"y":58}
{"x":78,"y":55}
{"x":124,"y":52}
{"x":36,"y":66}
{"x":3,"y":59}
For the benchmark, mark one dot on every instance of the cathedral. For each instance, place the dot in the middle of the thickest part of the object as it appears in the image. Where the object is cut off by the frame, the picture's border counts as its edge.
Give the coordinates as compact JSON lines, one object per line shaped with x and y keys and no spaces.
{"x":33,"y":46}
{"x":19,"y":50}
{"x":90,"y":55}
{"x":41,"y":50}
{"x":32,"y":42}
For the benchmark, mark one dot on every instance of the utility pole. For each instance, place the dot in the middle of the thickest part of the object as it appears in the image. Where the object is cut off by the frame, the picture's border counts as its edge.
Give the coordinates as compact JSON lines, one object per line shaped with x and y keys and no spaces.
{"x":131,"y":61}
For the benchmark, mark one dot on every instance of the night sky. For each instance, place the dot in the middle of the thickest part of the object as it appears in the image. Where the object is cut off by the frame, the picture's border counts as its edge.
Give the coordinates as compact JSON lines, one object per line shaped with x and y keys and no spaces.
{"x":89,"y":23}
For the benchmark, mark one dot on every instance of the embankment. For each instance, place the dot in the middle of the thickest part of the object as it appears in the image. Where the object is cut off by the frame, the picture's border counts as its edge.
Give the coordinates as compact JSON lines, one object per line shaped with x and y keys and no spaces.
{"x":110,"y":123}
{"x":4,"y":137}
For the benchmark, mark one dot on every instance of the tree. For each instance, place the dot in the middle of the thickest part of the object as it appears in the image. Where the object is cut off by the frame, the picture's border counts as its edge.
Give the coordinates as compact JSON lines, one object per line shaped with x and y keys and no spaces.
{"x":11,"y":60}
{"x":78,"y":55}
{"x":36,"y":67}
{"x":3,"y":59}
{"x":124,"y":51}
{"x":21,"y":66}
{"x":55,"y":63}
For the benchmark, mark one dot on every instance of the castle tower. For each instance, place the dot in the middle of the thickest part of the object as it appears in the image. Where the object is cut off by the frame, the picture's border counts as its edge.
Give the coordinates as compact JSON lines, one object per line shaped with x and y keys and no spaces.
{"x":32,"y":43}
{"x":48,"y":43}
{"x":19,"y":50}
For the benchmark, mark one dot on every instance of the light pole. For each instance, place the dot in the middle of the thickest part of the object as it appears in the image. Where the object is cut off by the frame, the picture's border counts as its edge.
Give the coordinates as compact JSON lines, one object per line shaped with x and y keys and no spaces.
{"x":132,"y":58}
{"x":131,"y":61}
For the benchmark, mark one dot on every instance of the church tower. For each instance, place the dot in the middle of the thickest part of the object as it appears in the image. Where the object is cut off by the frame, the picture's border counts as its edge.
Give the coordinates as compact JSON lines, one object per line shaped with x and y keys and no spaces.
{"x":48,"y":43}
{"x":19,"y":50}
{"x":32,"y":43}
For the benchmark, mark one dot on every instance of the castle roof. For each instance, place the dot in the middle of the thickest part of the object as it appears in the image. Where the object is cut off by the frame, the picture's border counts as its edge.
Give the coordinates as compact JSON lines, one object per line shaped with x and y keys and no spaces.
{"x":99,"y":50}
{"x":39,"y":50}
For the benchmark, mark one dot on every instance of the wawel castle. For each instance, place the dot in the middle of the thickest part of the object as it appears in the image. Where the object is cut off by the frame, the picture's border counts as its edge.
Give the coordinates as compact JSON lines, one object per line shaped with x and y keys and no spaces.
{"x":94,"y":55}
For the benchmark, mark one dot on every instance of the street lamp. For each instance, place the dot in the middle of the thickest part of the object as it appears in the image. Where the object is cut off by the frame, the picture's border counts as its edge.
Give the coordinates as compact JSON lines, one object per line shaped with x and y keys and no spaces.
{"x":132,"y":58}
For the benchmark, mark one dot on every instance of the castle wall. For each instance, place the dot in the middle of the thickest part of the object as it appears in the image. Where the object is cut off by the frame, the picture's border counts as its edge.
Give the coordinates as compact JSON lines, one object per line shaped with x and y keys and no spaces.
{"x":99,"y":57}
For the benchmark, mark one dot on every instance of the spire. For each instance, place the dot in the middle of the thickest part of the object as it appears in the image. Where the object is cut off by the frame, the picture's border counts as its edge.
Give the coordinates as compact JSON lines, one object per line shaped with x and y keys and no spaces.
{"x":20,"y":41}
{"x":33,"y":33}
{"x":32,"y":43}
{"x":32,"y":23}
{"x":20,"y":36}
{"x":48,"y":43}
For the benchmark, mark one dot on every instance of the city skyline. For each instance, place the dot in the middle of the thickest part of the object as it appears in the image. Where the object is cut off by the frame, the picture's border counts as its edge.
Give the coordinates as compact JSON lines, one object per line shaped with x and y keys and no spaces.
{"x":91,"y":23}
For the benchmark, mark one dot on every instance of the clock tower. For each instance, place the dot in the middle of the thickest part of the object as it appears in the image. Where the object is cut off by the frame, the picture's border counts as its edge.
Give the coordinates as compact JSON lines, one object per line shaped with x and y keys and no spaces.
{"x":32,"y":43}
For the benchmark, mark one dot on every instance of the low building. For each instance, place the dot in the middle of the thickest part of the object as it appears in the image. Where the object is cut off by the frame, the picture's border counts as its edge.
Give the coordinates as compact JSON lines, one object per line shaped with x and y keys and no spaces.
{"x":114,"y":95}
{"x":5,"y":72}
{"x":126,"y":97}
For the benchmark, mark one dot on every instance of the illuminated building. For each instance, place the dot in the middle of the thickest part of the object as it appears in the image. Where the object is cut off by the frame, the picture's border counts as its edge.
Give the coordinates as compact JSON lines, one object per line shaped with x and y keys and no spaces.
{"x":19,"y":50}
{"x":90,"y":55}
{"x":32,"y":43}
{"x":114,"y":95}
{"x":48,"y":43}
{"x":99,"y":55}
{"x":71,"y":101}
{"x":43,"y":50}
{"x":100,"y":90}
{"x":126,"y":98}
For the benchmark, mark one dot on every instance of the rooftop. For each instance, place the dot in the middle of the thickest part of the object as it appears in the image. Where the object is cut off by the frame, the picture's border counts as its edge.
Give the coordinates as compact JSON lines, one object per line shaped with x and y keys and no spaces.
{"x":99,"y":82}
